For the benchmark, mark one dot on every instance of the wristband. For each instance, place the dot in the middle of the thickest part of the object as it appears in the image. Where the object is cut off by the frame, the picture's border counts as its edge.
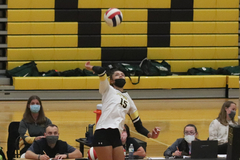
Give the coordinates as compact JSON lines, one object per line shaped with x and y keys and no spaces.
{"x":67,"y":155}
{"x":39,"y":157}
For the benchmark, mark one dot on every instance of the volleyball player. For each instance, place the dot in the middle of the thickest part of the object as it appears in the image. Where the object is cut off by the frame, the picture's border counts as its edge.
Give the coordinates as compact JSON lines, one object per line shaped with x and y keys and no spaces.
{"x":116,"y":103}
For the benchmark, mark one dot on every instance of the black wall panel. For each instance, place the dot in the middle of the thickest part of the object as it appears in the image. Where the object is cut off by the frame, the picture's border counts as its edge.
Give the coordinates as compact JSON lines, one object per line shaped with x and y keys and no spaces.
{"x":158,"y":41}
{"x":89,"y":28}
{"x":158,"y":28}
{"x":62,"y":4}
{"x":175,"y":4}
{"x":89,"y":41}
{"x":124,"y":54}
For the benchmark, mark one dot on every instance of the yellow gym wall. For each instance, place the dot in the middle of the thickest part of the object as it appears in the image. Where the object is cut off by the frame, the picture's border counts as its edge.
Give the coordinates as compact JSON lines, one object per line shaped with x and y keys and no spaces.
{"x":185,"y":33}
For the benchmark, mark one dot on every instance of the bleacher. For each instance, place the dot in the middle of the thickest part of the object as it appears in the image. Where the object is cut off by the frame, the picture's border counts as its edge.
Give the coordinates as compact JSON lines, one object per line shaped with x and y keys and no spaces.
{"x":63,"y":35}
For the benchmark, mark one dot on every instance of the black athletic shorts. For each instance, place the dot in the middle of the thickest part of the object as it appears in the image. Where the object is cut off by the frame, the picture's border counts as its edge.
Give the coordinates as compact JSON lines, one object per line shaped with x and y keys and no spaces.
{"x":107,"y":137}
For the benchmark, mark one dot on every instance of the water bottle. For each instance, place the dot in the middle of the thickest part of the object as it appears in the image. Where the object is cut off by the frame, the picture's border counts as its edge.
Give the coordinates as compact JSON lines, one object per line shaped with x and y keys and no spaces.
{"x":131,"y":151}
{"x":98,"y":112}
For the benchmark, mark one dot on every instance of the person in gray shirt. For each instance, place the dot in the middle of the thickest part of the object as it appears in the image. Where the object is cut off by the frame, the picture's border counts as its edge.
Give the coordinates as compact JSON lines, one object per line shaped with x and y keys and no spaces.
{"x":33,"y":124}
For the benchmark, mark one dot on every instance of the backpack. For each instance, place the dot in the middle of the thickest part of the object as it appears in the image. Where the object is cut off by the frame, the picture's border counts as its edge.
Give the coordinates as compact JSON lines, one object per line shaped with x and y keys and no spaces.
{"x":202,"y":71}
{"x":88,"y":73}
{"x":230,"y":70}
{"x":51,"y":73}
{"x":154,"y":68}
{"x":25,"y":70}
{"x":130,"y":70}
{"x":72,"y":72}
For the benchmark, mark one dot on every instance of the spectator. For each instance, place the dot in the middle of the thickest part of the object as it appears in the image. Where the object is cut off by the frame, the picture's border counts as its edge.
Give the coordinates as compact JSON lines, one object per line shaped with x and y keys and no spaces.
{"x":51,"y":147}
{"x":218,"y":129}
{"x":182,"y":146}
{"x":127,"y":140}
{"x":33,"y":124}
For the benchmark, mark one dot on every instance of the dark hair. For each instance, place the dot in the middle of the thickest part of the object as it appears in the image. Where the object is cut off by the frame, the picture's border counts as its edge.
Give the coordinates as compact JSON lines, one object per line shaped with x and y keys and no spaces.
{"x":27,"y":116}
{"x":112,"y":72}
{"x":51,"y":125}
{"x":127,"y":130}
{"x":222,"y":118}
{"x":190,"y":125}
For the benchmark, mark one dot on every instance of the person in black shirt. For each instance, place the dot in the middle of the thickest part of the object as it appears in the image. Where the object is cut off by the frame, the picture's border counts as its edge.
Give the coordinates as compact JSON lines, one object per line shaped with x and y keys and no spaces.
{"x":127,"y":140}
{"x":51,"y":147}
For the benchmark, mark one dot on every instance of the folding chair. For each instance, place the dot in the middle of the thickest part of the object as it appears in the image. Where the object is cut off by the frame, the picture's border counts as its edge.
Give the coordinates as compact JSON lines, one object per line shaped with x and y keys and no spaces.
{"x":12,"y":144}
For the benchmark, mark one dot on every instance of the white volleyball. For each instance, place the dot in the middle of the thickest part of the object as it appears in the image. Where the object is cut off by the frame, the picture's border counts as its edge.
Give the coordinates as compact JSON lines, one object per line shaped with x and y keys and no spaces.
{"x":92,"y":154}
{"x":113,"y":17}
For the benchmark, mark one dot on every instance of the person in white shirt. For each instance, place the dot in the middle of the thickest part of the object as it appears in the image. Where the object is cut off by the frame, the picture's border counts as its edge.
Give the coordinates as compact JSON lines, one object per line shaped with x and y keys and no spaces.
{"x":116,"y":103}
{"x":218,"y":129}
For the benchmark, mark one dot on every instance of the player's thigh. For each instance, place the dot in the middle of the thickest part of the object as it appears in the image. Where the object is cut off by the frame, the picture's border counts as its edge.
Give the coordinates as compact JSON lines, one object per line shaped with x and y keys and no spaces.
{"x":118,"y":153}
{"x":104,"y":153}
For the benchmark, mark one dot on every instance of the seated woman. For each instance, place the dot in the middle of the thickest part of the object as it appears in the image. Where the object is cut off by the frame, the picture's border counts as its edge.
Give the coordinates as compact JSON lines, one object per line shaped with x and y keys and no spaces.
{"x":127,"y":140}
{"x":33,"y":124}
{"x":218,"y":129}
{"x":182,"y":146}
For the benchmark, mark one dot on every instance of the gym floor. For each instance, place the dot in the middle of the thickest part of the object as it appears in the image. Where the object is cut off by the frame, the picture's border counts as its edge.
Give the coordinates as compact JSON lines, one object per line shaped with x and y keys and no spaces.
{"x":171,"y":115}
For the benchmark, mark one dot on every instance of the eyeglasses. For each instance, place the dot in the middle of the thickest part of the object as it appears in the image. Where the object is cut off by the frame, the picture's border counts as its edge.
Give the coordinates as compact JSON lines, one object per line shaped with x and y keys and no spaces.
{"x":189,"y":133}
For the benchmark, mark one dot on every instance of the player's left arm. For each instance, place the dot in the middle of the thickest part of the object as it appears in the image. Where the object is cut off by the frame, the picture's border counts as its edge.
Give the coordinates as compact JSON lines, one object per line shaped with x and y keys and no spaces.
{"x":133,"y":113}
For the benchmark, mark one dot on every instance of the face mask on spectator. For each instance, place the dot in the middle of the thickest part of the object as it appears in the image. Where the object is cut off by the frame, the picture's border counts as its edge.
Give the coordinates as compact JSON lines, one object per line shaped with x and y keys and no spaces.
{"x":189,"y":138}
{"x":35,"y":108}
{"x":52,"y":139}
{"x":232,"y":114}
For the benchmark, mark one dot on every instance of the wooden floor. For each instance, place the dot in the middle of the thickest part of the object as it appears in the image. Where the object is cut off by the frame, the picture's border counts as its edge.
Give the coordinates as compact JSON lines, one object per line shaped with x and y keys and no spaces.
{"x":73,"y":117}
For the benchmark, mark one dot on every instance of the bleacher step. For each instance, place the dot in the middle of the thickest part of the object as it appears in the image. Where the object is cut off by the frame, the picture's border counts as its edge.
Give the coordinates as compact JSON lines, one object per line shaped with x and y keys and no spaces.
{"x":3,"y":58}
{"x":3,"y":6}
{"x":6,"y":87}
{"x":3,"y":19}
{"x":3,"y":32}
{"x":2,"y":71}
{"x":3,"y":45}
{"x":4,"y":80}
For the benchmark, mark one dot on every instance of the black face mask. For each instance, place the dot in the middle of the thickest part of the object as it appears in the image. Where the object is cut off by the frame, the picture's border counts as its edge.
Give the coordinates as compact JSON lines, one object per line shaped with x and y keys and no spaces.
{"x":52,"y":139}
{"x":232,"y":114}
{"x":120,"y":82}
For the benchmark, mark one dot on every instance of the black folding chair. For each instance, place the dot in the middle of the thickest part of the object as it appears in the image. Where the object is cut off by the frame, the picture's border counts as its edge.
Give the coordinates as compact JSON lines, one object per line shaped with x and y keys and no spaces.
{"x":13,"y":138}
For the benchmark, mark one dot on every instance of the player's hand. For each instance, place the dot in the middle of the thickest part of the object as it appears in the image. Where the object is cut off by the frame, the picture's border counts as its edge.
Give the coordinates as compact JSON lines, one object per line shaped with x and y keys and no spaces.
{"x":88,"y":66}
{"x":155,"y":133}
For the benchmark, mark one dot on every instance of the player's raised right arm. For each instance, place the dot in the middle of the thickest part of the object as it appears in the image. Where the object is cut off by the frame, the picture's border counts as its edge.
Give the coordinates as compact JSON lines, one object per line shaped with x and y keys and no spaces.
{"x":104,"y":84}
